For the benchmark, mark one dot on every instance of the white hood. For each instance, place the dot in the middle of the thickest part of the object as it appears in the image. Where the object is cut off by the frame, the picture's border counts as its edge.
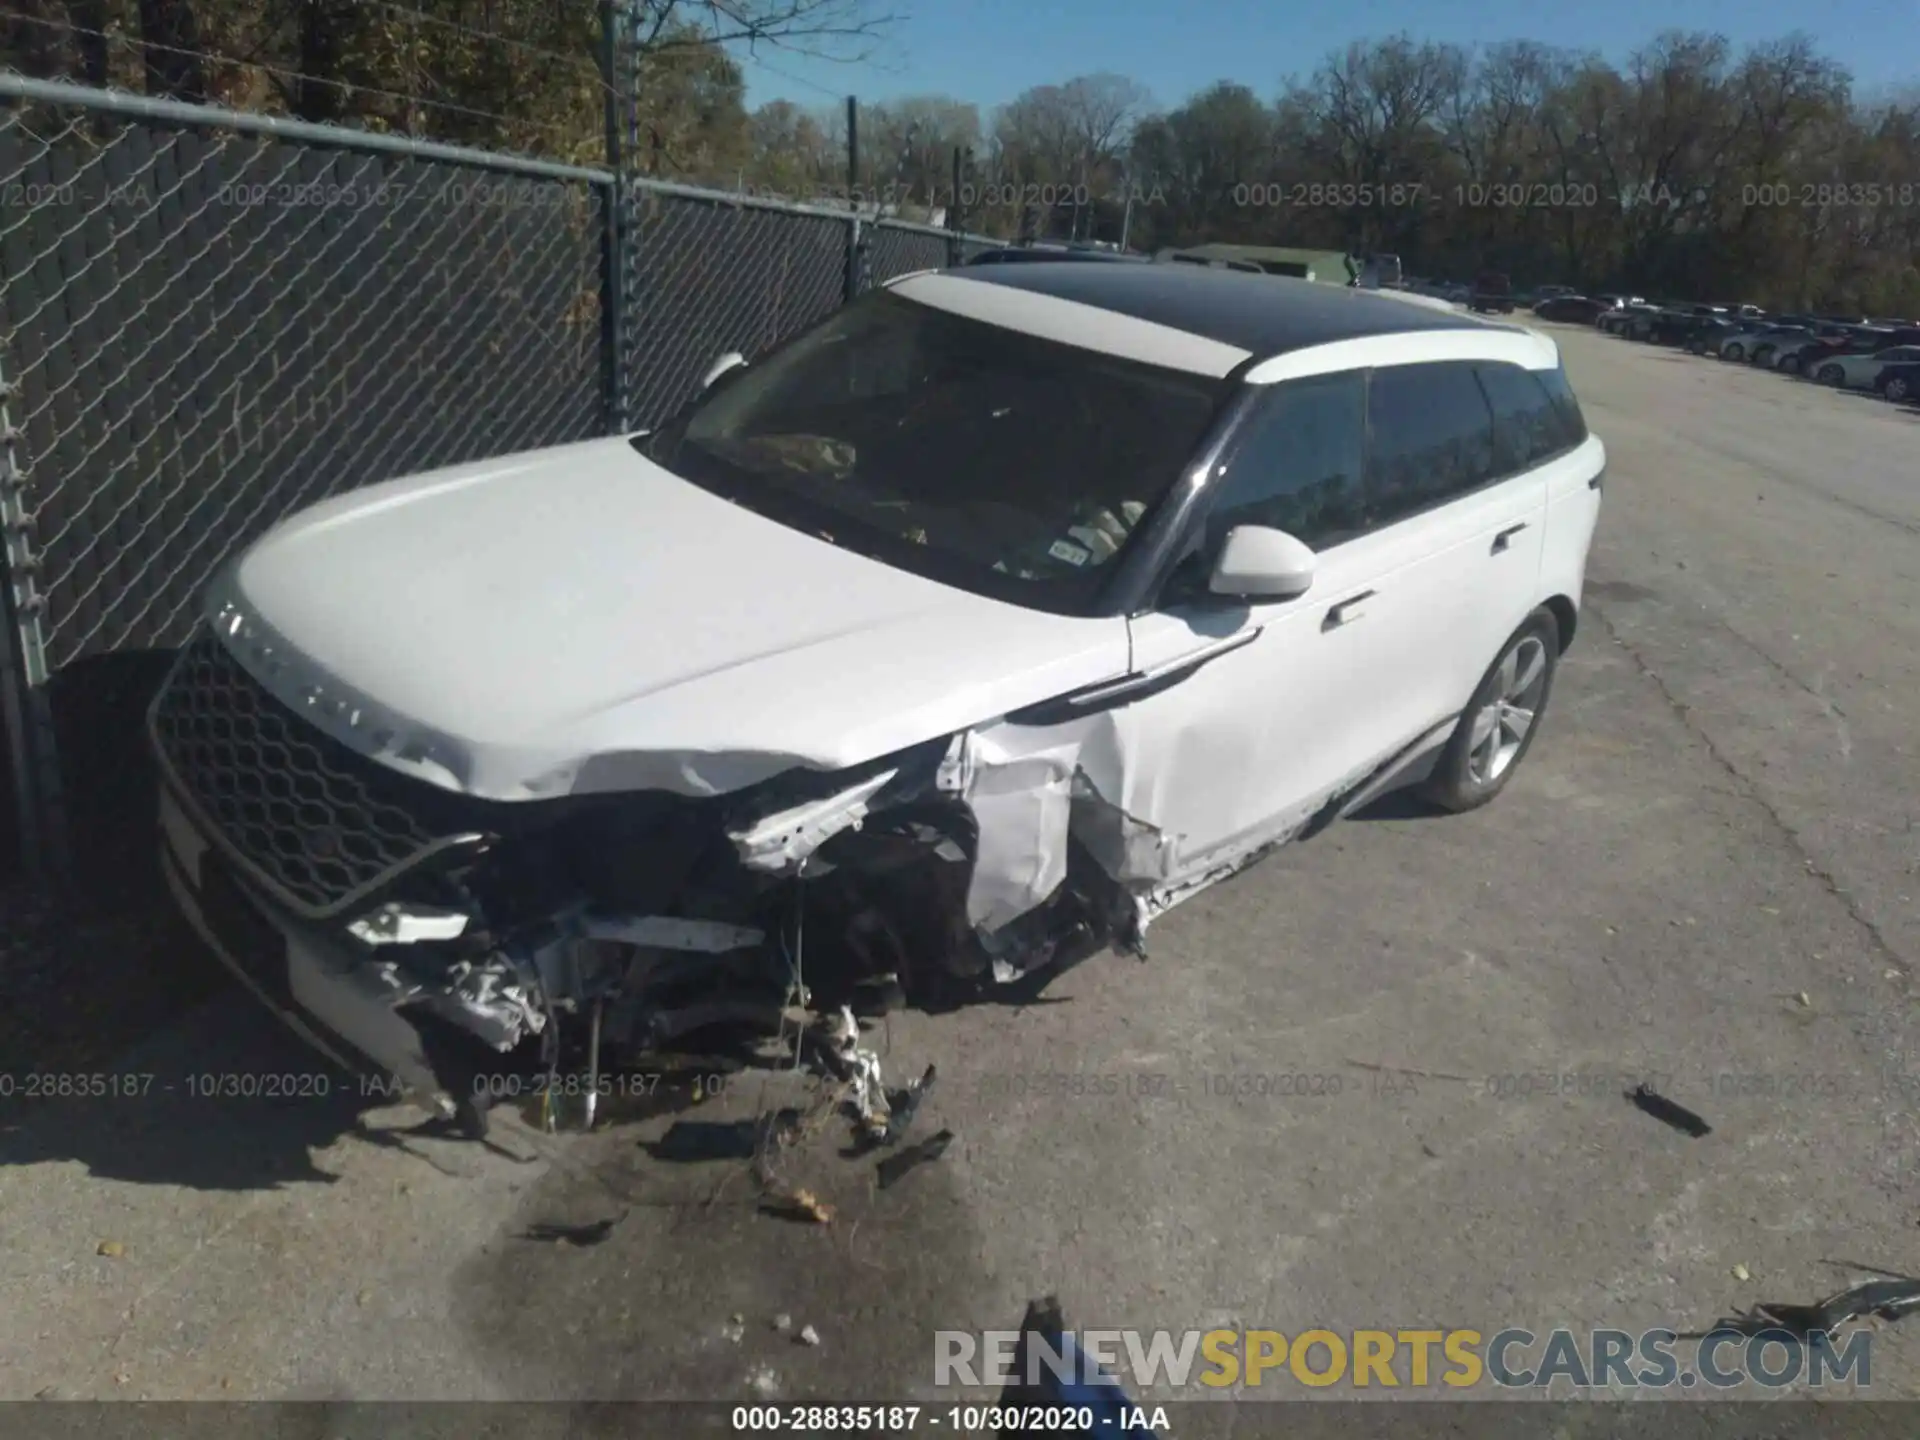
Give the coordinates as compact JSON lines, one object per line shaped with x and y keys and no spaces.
{"x":578,"y":619}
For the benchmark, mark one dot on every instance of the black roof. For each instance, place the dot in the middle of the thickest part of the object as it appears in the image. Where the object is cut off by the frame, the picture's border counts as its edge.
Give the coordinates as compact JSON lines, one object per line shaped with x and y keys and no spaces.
{"x":1264,"y":314}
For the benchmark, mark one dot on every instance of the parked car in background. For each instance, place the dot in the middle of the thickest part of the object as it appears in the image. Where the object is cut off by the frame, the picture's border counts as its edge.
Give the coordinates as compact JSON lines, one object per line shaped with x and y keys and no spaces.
{"x":1675,"y":327}
{"x":1899,"y":382}
{"x":1662,"y":321}
{"x":1617,"y":321}
{"x":1492,"y":292}
{"x":1738,"y":342}
{"x":1765,"y":344}
{"x":1577,"y":309}
{"x":1861,"y":372}
{"x":1831,"y":342}
{"x":1711,"y":337}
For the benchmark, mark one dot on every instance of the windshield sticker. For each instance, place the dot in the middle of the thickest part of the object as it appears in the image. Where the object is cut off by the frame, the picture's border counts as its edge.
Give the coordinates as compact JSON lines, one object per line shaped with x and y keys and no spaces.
{"x":1066,"y":550}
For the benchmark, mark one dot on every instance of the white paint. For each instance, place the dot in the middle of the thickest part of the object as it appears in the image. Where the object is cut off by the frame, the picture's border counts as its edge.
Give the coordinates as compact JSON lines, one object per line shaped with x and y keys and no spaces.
{"x":1068,"y":322}
{"x":577,"y":619}
{"x":1529,"y":349}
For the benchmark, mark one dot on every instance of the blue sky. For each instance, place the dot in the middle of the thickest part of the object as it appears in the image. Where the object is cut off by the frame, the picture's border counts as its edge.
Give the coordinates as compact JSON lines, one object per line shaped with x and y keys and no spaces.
{"x":989,"y":51}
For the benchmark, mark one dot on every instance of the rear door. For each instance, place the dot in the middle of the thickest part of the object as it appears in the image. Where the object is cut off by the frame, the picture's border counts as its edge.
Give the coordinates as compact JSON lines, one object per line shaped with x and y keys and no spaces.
{"x":1570,"y":463}
{"x":1469,"y":522}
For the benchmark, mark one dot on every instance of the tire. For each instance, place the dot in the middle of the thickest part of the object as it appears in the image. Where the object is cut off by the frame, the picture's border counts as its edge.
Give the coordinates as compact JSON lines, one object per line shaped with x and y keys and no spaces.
{"x":1830,"y":375}
{"x":1896,"y":388}
{"x":1790,"y":365}
{"x":1479,"y":761}
{"x":1734,"y":352}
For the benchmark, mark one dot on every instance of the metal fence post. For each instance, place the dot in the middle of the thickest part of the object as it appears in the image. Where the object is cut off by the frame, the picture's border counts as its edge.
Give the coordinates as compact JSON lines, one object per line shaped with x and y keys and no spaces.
{"x":955,"y":221}
{"x":856,"y":232}
{"x":25,"y":706}
{"x":613,"y":230}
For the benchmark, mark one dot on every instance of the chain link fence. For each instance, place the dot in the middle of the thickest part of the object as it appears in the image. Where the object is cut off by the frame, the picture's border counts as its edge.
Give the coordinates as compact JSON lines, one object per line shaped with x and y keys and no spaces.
{"x":210,"y":320}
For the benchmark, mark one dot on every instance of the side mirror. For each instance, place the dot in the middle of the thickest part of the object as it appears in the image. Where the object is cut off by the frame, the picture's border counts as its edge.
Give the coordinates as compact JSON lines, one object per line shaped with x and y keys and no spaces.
{"x":1259,"y":563}
{"x":725,"y":365}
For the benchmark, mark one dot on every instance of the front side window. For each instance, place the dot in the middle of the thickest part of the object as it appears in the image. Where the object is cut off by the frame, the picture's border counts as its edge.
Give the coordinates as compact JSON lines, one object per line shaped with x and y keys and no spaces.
{"x":1005,"y":464}
{"x":1430,"y":439}
{"x":1297,"y":464}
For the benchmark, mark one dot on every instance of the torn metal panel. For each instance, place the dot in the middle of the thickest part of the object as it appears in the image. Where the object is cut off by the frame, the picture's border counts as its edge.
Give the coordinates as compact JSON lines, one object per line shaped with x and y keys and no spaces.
{"x":1022,"y":800}
{"x":1102,"y":781}
{"x":780,"y":842}
{"x":490,"y":1000}
{"x":401,"y":924}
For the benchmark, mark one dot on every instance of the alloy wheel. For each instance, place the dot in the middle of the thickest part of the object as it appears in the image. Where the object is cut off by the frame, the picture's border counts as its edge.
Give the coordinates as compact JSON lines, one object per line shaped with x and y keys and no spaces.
{"x":1501,"y":727}
{"x":1897,"y":388}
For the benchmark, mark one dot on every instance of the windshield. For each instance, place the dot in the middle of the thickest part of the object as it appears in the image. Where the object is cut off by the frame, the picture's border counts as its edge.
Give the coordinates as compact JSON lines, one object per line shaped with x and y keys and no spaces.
{"x":966,"y":452}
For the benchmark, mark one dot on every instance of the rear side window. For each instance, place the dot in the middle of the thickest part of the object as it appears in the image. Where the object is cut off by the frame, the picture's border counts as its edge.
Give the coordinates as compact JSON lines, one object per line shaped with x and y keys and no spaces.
{"x":1563,"y":400}
{"x":1430,"y":439}
{"x":1298,"y":467}
{"x":1529,"y":426}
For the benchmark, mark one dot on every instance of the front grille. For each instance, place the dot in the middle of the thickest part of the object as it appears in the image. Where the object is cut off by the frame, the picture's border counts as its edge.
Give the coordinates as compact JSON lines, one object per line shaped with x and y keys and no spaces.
{"x":313,"y":818}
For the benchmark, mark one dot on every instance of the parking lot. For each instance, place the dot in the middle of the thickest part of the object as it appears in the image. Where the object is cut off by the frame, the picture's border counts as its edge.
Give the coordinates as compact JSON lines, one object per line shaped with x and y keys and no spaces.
{"x":1705,"y":874}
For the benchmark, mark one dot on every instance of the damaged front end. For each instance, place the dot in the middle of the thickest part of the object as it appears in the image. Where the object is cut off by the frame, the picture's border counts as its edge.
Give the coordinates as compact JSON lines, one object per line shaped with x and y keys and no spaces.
{"x":590,"y":931}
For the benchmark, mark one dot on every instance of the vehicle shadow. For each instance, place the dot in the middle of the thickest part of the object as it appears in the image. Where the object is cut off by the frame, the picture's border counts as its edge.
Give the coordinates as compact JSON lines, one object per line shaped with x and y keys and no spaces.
{"x":1402,"y":805}
{"x":227,"y":1099}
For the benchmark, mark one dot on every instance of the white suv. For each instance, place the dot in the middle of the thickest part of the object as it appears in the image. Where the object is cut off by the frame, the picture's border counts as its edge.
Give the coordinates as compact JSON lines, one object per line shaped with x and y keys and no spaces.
{"x":979,"y":624}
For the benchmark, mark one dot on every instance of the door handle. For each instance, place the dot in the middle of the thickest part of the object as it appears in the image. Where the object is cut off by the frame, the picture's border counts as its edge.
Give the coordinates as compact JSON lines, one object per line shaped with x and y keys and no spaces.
{"x":1504,"y":540}
{"x":1597,"y":481}
{"x":1337,"y":614}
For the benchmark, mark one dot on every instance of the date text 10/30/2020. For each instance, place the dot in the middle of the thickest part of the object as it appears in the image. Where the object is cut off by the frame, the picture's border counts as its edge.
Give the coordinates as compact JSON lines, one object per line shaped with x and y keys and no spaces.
{"x":1394,"y":194}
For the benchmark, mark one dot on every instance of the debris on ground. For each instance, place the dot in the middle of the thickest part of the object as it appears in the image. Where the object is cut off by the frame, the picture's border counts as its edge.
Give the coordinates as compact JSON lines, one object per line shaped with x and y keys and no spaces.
{"x":859,"y":1067}
{"x":897,"y":1166}
{"x":579,"y":1236}
{"x":809,"y":1335}
{"x":783,"y":1323}
{"x":903,"y":1105}
{"x":763,"y":1382}
{"x":1742,"y":1274}
{"x":1649,"y":1102}
{"x":733,"y":1331}
{"x":1881,"y":1299}
{"x":1063,"y":1377}
{"x":802,"y":1205}
{"x":112,"y":1249}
